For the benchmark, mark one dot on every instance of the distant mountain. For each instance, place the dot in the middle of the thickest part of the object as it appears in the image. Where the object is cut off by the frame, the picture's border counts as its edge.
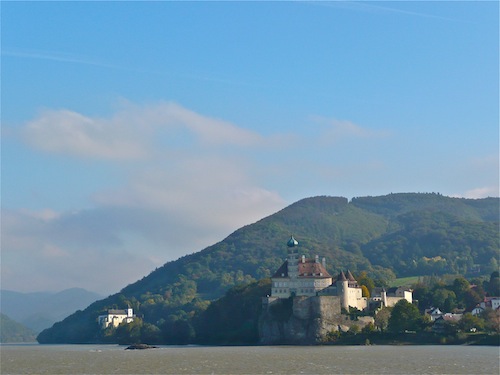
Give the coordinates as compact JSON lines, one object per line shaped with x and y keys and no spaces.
{"x":388,"y":236}
{"x":12,"y":331}
{"x":41,"y":310}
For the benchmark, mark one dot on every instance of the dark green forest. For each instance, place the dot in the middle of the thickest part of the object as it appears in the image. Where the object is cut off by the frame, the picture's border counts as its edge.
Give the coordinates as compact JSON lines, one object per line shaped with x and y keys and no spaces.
{"x":387,"y":237}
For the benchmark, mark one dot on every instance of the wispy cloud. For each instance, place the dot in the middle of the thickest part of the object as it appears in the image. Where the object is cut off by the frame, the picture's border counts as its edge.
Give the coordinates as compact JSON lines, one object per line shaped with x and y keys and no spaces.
{"x":332,"y":130}
{"x":58,"y":57}
{"x":374,"y":7}
{"x":65,"y":57}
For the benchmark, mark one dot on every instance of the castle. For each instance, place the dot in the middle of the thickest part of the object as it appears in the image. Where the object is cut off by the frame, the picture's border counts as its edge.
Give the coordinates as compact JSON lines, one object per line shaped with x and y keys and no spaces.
{"x":115,"y":317}
{"x":301,"y":276}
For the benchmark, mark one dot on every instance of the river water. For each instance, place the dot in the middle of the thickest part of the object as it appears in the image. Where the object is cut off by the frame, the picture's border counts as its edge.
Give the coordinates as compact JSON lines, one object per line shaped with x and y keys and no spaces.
{"x":113,"y":359}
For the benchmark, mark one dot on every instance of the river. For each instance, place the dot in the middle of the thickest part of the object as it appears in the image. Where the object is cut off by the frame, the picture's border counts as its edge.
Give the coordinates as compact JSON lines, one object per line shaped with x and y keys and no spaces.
{"x":114,"y":359}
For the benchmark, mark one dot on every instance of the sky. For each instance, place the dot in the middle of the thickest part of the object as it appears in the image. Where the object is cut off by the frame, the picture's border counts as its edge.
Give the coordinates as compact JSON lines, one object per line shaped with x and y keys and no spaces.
{"x":134,"y":133}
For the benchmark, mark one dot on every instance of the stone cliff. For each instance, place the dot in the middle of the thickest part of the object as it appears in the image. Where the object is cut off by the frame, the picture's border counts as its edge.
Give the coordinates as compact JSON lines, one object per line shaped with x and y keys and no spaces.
{"x":302,"y":320}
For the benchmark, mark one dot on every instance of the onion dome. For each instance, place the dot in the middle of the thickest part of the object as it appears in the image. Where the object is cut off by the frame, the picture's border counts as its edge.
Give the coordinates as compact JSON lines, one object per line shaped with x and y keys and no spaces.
{"x":292,"y":242}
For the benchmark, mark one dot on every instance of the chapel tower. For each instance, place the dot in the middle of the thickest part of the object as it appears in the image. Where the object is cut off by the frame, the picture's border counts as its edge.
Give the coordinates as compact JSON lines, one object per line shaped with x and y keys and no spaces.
{"x":293,"y":258}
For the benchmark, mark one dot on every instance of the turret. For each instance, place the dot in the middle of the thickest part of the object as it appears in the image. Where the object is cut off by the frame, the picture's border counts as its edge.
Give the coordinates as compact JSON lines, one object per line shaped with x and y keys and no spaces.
{"x":384,"y":297}
{"x":342,"y":290}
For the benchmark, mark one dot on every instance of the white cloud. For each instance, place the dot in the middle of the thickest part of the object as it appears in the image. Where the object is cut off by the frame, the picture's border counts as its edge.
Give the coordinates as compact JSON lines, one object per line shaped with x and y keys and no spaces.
{"x":70,"y":133}
{"x":130,"y":133}
{"x":210,"y":196}
{"x":484,"y":173}
{"x":480,"y":192}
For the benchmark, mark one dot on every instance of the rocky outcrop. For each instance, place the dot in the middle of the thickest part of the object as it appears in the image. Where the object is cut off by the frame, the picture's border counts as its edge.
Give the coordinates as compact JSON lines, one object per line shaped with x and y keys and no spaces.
{"x":302,"y":320}
{"x":140,"y":347}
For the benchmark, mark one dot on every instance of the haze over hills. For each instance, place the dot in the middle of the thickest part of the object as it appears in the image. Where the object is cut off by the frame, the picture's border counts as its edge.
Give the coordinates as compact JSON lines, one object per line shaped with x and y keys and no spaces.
{"x":40,"y":310}
{"x":12,"y":331}
{"x":388,"y":236}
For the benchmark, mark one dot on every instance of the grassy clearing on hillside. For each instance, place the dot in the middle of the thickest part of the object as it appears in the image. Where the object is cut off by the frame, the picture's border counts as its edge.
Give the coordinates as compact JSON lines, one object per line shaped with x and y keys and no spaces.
{"x":405,"y":281}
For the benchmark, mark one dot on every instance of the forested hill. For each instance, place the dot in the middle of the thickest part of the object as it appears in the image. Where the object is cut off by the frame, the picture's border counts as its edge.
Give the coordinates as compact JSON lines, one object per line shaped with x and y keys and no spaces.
{"x":387,"y":236}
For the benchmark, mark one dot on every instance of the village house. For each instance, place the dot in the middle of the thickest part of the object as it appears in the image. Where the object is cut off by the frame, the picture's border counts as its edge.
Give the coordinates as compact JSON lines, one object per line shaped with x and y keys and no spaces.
{"x":440,"y":322}
{"x":115,"y":317}
{"x":434,"y":313}
{"x":488,"y":303}
{"x":301,"y":276}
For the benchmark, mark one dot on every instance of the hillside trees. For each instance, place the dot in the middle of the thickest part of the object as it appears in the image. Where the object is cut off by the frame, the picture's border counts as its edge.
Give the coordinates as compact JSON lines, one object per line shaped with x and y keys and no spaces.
{"x":430,"y":242}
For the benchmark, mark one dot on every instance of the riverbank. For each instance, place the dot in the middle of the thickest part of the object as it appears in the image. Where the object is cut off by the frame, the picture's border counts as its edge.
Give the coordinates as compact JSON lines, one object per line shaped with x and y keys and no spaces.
{"x":413,"y":338}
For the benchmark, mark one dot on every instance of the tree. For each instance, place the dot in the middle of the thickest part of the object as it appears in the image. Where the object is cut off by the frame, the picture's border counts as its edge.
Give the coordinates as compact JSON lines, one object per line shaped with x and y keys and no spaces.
{"x":369,"y":328}
{"x":470,"y":321}
{"x":460,"y":287}
{"x":492,"y":319}
{"x":382,"y":318}
{"x":404,"y":317}
{"x":449,"y":304}
{"x":493,"y":287}
{"x":471,"y":299}
{"x":440,"y":296}
{"x":354,"y":329}
{"x":365,"y":292}
{"x":129,"y":333}
{"x":364,"y":280}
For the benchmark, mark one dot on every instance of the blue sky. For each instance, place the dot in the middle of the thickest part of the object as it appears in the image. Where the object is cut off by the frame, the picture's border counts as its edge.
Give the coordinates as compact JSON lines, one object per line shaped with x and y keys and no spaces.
{"x":137,"y":132}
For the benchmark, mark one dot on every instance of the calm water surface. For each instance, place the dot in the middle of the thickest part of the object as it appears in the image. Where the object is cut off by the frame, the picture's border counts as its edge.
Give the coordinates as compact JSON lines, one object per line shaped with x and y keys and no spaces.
{"x":113,"y":359}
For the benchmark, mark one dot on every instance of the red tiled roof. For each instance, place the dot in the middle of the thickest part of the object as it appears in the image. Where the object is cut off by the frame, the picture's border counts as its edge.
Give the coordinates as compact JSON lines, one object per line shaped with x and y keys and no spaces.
{"x":312,"y":269}
{"x":307,"y":269}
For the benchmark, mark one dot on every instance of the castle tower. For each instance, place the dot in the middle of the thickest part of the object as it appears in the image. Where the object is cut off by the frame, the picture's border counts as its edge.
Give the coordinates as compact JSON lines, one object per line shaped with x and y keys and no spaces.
{"x":343,"y":290}
{"x":293,"y":258}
